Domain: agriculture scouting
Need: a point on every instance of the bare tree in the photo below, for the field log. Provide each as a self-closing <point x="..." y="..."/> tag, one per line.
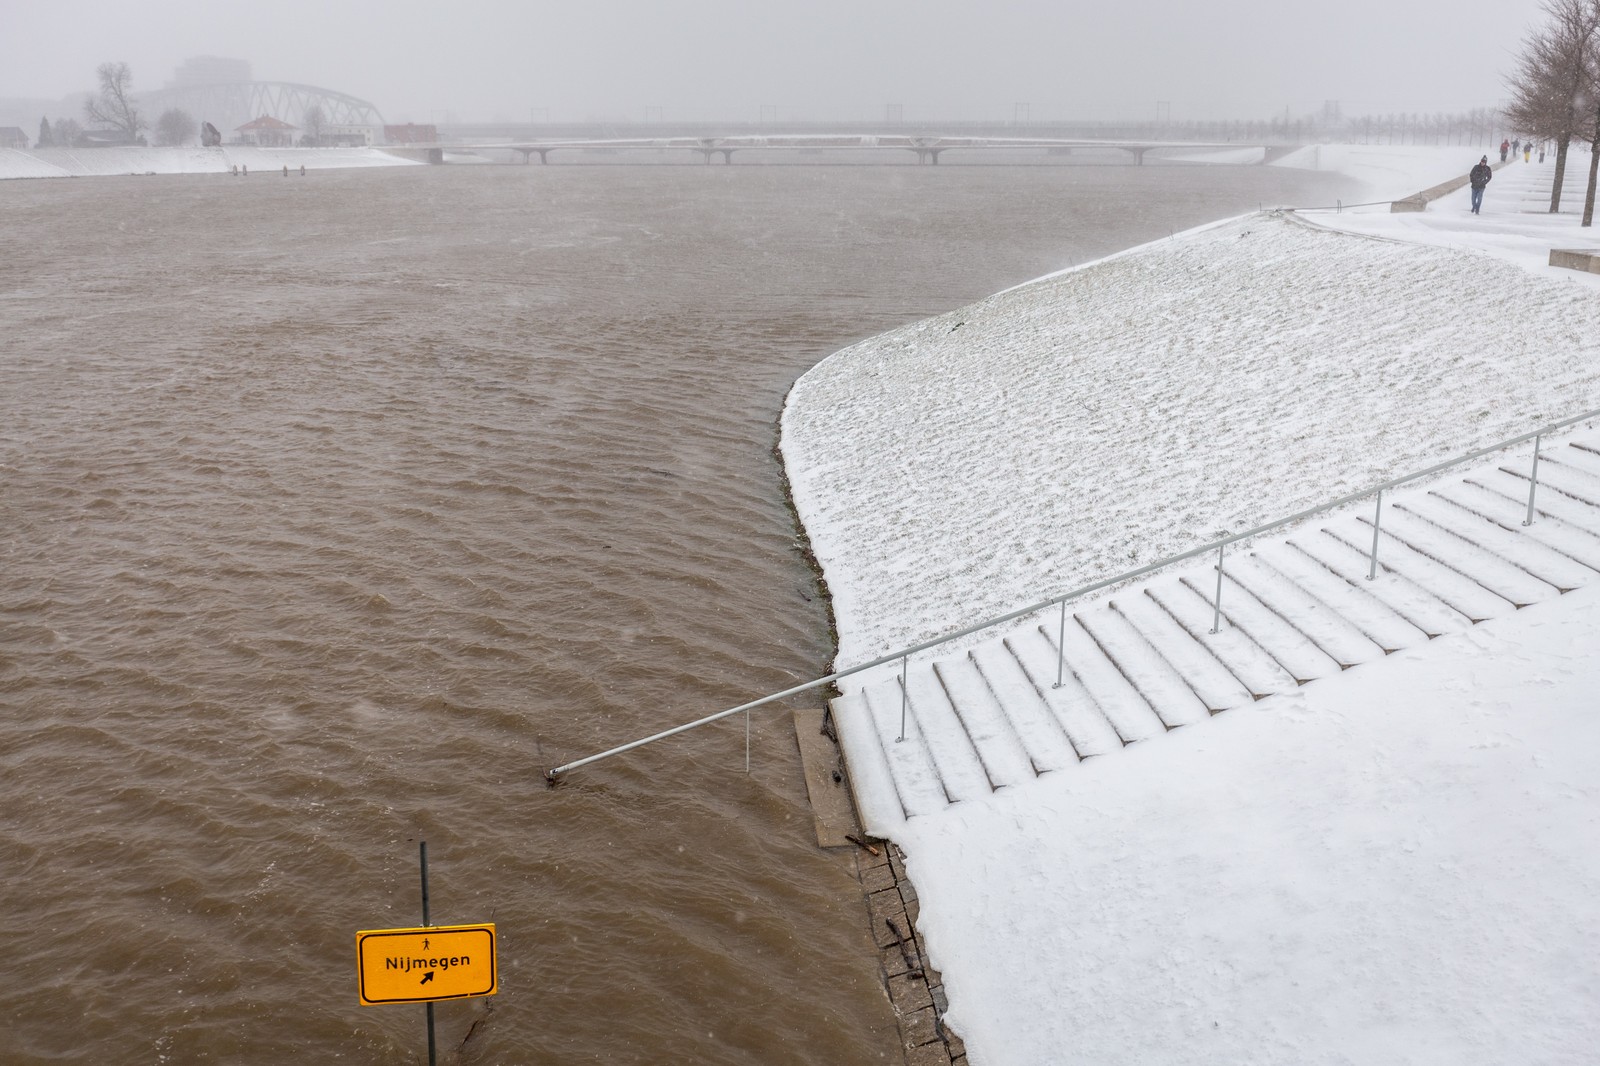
<point x="315" y="123"/>
<point x="175" y="127"/>
<point x="114" y="106"/>
<point x="1551" y="87"/>
<point x="1591" y="103"/>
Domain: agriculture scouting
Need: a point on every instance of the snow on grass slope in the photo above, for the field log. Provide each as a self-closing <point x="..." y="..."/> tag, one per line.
<point x="1096" y="420"/>
<point x="1395" y="865"/>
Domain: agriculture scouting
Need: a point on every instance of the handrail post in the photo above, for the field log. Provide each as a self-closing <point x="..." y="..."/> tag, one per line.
<point x="905" y="696"/>
<point x="1533" y="479"/>
<point x="747" y="742"/>
<point x="1377" y="518"/>
<point x="1061" y="645"/>
<point x="1216" y="603"/>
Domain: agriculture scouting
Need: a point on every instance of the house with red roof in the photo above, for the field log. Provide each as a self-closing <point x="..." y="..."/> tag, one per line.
<point x="267" y="132"/>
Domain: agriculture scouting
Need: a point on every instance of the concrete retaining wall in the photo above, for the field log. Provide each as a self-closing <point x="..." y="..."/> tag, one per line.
<point x="1576" y="259"/>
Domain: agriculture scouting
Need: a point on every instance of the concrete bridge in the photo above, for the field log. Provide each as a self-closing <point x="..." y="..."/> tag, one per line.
<point x="927" y="147"/>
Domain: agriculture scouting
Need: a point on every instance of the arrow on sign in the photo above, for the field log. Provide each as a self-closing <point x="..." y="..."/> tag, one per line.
<point x="426" y="978"/>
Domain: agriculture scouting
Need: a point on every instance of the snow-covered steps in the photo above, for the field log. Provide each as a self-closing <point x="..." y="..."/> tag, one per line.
<point x="1043" y="696"/>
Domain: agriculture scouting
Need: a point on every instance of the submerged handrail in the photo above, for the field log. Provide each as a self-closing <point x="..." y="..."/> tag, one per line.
<point x="904" y="654"/>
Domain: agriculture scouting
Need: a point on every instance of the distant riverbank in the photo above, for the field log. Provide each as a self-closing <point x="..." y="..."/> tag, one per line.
<point x="102" y="162"/>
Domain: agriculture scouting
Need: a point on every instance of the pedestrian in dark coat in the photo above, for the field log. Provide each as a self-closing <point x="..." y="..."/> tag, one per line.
<point x="1480" y="177"/>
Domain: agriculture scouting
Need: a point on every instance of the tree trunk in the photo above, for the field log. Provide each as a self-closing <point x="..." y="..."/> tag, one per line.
<point x="1594" y="171"/>
<point x="1561" y="171"/>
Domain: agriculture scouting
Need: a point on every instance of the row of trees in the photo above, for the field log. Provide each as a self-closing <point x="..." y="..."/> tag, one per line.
<point x="174" y="127"/>
<point x="1555" y="89"/>
<point x="112" y="111"/>
<point x="1483" y="126"/>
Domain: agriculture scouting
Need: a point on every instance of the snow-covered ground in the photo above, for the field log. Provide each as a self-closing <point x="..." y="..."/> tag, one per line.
<point x="1394" y="865"/>
<point x="98" y="162"/>
<point x="1123" y="411"/>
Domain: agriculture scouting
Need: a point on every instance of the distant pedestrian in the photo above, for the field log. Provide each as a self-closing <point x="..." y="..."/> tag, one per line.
<point x="1527" y="152"/>
<point x="303" y="170"/>
<point x="1480" y="177"/>
<point x="1516" y="146"/>
<point x="1505" y="146"/>
<point x="1541" y="151"/>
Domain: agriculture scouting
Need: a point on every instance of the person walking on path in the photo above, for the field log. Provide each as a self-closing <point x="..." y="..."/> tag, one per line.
<point x="1505" y="147"/>
<point x="1480" y="177"/>
<point x="1527" y="152"/>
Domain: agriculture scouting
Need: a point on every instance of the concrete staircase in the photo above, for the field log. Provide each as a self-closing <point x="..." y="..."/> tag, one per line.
<point x="1296" y="607"/>
<point x="1527" y="185"/>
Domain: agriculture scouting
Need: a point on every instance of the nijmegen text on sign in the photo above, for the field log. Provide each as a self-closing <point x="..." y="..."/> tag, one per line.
<point x="423" y="964"/>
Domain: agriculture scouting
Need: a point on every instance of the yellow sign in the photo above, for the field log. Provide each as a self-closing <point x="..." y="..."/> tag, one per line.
<point x="418" y="965"/>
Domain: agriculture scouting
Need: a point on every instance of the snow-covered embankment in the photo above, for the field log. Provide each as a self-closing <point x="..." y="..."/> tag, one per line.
<point x="101" y="162"/>
<point x="1390" y="865"/>
<point x="1090" y="422"/>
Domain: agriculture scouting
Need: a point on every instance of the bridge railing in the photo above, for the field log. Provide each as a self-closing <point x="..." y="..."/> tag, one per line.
<point x="903" y="655"/>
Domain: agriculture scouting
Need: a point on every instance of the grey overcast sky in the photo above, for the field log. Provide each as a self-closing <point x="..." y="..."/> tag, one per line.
<point x="438" y="60"/>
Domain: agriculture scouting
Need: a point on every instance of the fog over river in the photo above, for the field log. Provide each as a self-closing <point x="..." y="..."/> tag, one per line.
<point x="335" y="509"/>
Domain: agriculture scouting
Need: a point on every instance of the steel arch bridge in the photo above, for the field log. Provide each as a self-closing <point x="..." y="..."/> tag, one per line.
<point x="230" y="105"/>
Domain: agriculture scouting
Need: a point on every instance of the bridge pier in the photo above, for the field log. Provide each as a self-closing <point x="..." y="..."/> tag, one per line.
<point x="1138" y="154"/>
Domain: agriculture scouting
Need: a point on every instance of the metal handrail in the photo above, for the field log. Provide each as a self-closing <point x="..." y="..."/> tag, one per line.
<point x="904" y="654"/>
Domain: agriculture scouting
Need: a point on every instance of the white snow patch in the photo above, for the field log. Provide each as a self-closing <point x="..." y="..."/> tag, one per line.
<point x="1397" y="866"/>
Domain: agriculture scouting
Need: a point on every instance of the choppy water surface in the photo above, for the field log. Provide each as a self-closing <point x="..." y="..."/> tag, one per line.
<point x="334" y="509"/>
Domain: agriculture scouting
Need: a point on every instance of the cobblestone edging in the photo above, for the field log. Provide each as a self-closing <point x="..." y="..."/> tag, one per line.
<point x="915" y="989"/>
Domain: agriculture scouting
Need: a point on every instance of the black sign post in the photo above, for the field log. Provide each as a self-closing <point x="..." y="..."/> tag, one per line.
<point x="423" y="846"/>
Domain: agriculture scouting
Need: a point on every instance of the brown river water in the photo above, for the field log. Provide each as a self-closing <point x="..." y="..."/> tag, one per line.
<point x="335" y="509"/>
